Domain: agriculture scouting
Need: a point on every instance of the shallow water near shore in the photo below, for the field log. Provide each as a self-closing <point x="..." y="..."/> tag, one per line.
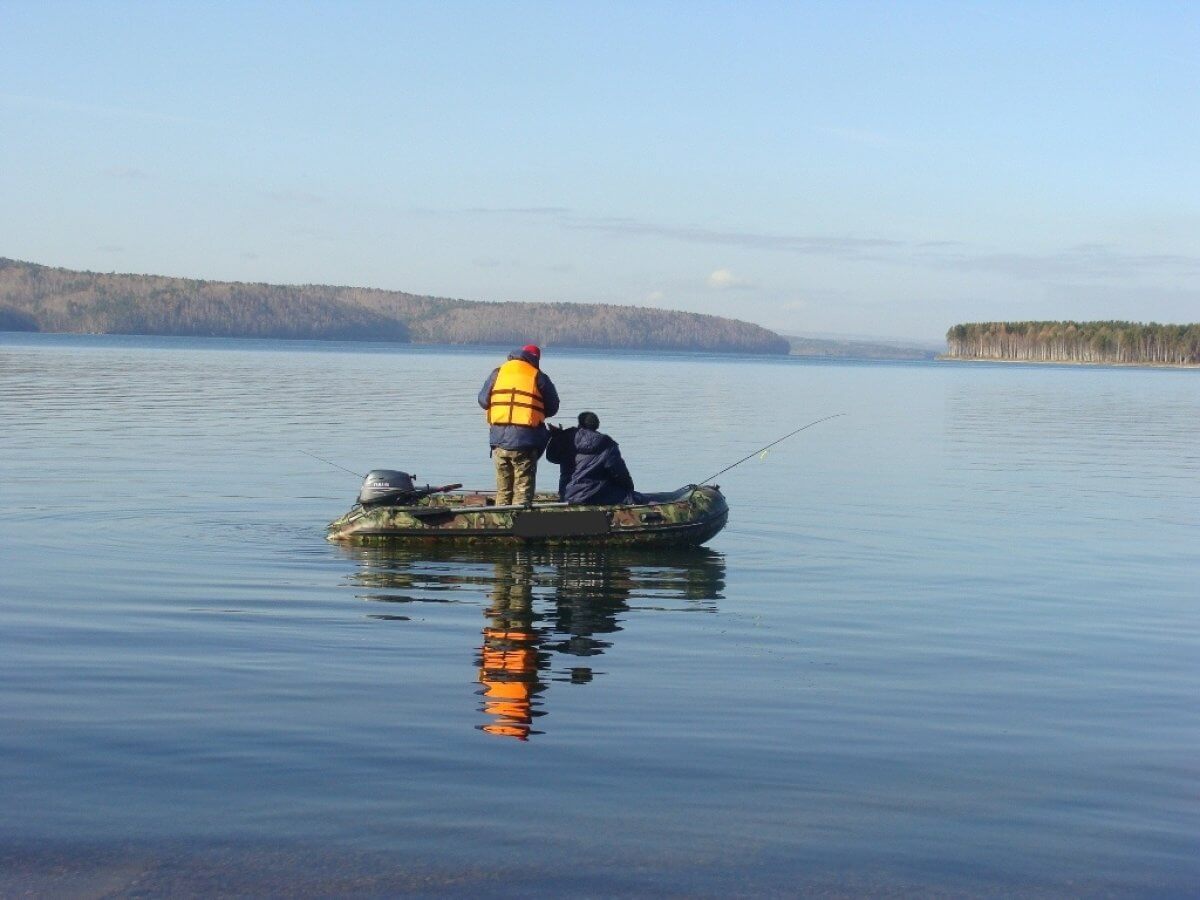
<point x="947" y="643"/>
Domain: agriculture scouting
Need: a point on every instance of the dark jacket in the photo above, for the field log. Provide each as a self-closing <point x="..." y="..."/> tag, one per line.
<point x="522" y="437"/>
<point x="592" y="468"/>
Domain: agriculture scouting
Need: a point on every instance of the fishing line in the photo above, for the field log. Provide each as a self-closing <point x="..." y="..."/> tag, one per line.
<point x="328" y="463"/>
<point x="769" y="446"/>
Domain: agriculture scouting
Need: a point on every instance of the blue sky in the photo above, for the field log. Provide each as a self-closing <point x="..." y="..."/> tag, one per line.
<point x="882" y="169"/>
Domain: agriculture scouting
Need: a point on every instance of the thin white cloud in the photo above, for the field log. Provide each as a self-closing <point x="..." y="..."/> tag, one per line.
<point x="725" y="280"/>
<point x="127" y="172"/>
<point x="1080" y="261"/>
<point x="863" y="136"/>
<point x="295" y="198"/>
<point x="519" y="210"/>
<point x="51" y="104"/>
<point x="818" y="245"/>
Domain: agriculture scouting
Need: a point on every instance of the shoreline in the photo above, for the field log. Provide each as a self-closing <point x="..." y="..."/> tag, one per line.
<point x="942" y="357"/>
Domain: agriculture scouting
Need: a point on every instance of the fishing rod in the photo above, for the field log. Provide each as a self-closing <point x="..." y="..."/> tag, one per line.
<point x="769" y="446"/>
<point x="328" y="463"/>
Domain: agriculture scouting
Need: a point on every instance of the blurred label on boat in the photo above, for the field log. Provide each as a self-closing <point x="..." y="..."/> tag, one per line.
<point x="537" y="524"/>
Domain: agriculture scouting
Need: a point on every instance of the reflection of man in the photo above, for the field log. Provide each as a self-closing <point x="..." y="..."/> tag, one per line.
<point x="518" y="397"/>
<point x="591" y="595"/>
<point x="508" y="663"/>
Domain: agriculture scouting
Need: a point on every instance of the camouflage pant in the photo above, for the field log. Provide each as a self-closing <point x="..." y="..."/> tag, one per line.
<point x="515" y="473"/>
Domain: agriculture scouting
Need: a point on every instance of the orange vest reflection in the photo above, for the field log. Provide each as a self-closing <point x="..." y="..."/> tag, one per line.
<point x="584" y="599"/>
<point x="508" y="659"/>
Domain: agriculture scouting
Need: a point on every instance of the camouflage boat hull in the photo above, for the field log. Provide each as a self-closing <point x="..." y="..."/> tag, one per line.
<point x="684" y="518"/>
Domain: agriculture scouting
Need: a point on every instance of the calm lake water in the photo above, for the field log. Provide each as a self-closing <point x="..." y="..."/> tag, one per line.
<point x="949" y="644"/>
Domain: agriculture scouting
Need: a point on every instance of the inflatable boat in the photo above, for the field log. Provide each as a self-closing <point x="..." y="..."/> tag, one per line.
<point x="391" y="509"/>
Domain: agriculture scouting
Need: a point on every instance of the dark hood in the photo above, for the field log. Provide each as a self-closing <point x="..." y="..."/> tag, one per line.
<point x="591" y="442"/>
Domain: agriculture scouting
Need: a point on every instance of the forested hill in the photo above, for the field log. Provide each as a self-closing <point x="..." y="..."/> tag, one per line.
<point x="40" y="298"/>
<point x="1129" y="343"/>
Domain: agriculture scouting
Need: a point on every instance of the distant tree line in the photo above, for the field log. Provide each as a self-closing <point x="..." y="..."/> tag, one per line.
<point x="828" y="348"/>
<point x="1077" y="342"/>
<point x="47" y="299"/>
<point x="40" y="298"/>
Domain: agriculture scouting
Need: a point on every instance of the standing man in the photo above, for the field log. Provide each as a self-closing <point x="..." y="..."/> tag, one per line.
<point x="518" y="397"/>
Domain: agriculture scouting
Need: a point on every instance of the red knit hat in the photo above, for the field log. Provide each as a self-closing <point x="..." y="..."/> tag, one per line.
<point x="532" y="349"/>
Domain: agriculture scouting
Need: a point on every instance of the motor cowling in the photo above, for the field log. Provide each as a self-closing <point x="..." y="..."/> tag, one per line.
<point x="387" y="486"/>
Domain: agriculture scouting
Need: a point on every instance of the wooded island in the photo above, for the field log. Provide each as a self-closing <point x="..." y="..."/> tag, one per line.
<point x="41" y="298"/>
<point x="1112" y="343"/>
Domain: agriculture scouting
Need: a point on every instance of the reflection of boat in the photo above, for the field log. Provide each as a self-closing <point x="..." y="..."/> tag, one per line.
<point x="549" y="612"/>
<point x="684" y="518"/>
<point x="598" y="577"/>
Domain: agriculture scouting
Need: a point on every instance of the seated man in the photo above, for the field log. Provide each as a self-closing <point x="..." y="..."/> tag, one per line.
<point x="592" y="469"/>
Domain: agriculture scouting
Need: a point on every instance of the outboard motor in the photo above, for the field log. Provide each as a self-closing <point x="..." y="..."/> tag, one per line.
<point x="387" y="486"/>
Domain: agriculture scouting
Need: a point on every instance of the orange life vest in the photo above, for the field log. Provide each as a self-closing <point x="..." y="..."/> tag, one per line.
<point x="515" y="399"/>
